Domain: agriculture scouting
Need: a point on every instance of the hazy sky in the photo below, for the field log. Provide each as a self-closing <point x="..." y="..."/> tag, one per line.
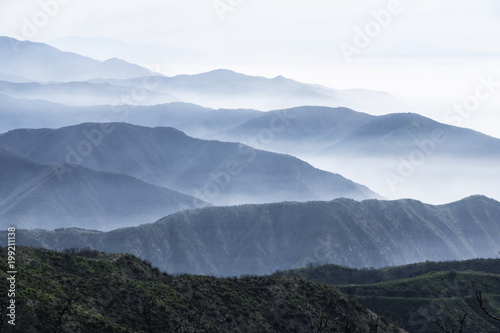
<point x="431" y="53"/>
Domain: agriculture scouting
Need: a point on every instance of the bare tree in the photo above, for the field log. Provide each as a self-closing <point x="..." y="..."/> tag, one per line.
<point x="347" y="323"/>
<point x="373" y="324"/>
<point x="332" y="316"/>
<point x="58" y="326"/>
<point x="146" y="311"/>
<point x="327" y="319"/>
<point x="480" y="300"/>
<point x="446" y="329"/>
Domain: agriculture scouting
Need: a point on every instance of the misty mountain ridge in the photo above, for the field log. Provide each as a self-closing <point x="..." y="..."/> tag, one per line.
<point x="260" y="239"/>
<point x="43" y="63"/>
<point x="82" y="93"/>
<point x="404" y="150"/>
<point x="217" y="89"/>
<point x="307" y="128"/>
<point x="214" y="171"/>
<point x="39" y="196"/>
<point x="223" y="88"/>
<point x="392" y="134"/>
<point x="323" y="131"/>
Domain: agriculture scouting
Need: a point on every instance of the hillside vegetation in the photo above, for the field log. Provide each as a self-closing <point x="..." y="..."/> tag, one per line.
<point x="88" y="291"/>
<point x="419" y="297"/>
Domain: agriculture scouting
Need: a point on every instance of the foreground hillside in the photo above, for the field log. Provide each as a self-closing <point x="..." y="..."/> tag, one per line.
<point x="420" y="296"/>
<point x="260" y="239"/>
<point x="87" y="291"/>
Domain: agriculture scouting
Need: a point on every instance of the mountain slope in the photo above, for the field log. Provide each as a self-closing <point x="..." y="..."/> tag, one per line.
<point x="420" y="296"/>
<point x="216" y="172"/>
<point x="339" y="132"/>
<point x="298" y="130"/>
<point x="19" y="113"/>
<point x="223" y="88"/>
<point x="400" y="133"/>
<point x="82" y="93"/>
<point x="217" y="89"/>
<point x="37" y="196"/>
<point x="40" y="62"/>
<point x="404" y="151"/>
<point x="339" y="275"/>
<point x="85" y="291"/>
<point x="260" y="239"/>
<point x="421" y="303"/>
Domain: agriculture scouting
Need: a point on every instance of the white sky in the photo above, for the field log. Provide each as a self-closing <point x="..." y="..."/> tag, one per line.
<point x="431" y="54"/>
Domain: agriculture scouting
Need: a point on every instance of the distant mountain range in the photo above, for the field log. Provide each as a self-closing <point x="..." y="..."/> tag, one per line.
<point x="307" y="129"/>
<point x="341" y="132"/>
<point x="227" y="89"/>
<point x="404" y="152"/>
<point x="25" y="62"/>
<point x="39" y="62"/>
<point x="81" y="93"/>
<point x="38" y="196"/>
<point x="260" y="239"/>
<point x="396" y="155"/>
<point x="216" y="172"/>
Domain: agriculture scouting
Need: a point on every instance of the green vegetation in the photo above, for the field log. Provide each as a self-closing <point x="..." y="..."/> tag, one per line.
<point x="88" y="291"/>
<point x="420" y="297"/>
<point x="335" y="274"/>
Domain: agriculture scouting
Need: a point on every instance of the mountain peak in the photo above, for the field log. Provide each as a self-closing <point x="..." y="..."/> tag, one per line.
<point x="477" y="198"/>
<point x="44" y="63"/>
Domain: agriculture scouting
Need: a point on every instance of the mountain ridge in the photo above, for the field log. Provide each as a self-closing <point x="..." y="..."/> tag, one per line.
<point x="35" y="196"/>
<point x="44" y="63"/>
<point x="242" y="239"/>
<point x="214" y="171"/>
<point x="422" y="295"/>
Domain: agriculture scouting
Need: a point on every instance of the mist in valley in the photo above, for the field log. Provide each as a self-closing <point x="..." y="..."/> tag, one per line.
<point x="434" y="181"/>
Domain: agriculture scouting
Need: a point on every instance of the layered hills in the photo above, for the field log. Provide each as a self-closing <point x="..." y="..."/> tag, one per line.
<point x="260" y="239"/>
<point x="40" y="196"/>
<point x="24" y="62"/>
<point x="213" y="171"/>
<point x="397" y="155"/>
